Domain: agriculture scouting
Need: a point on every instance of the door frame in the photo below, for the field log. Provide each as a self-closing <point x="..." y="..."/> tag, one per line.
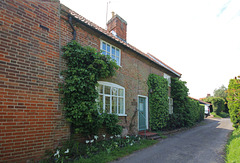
<point x="146" y="110"/>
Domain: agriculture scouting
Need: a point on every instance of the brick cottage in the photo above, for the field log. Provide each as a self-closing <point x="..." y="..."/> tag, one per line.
<point x="32" y="35"/>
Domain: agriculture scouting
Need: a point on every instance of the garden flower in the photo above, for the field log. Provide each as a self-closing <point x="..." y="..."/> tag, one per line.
<point x="96" y="137"/>
<point x="67" y="151"/>
<point x="57" y="154"/>
<point x="111" y="137"/>
<point x="104" y="136"/>
<point x="127" y="136"/>
<point x="91" y="141"/>
<point x="87" y="141"/>
<point x="131" y="144"/>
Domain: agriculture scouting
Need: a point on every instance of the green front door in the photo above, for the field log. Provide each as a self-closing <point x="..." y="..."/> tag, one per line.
<point x="142" y="113"/>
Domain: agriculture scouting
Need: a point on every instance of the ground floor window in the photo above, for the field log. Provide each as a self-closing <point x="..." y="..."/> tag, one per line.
<point x="111" y="98"/>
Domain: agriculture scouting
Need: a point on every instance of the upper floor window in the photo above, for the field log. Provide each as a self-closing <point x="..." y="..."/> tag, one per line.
<point x="112" y="51"/>
<point x="111" y="98"/>
<point x="168" y="79"/>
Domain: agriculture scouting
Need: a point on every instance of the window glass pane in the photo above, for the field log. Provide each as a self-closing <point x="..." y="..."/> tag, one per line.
<point x="120" y="92"/>
<point x="100" y="104"/>
<point x="107" y="90"/>
<point x="103" y="46"/>
<point x="117" y="53"/>
<point x="108" y="53"/>
<point x="107" y="104"/>
<point x="103" y="52"/>
<point x="108" y="48"/>
<point x="113" y="57"/>
<point x="114" y="91"/>
<point x="120" y="106"/>
<point x="114" y="104"/>
<point x="113" y="51"/>
<point x="100" y="89"/>
<point x="117" y="61"/>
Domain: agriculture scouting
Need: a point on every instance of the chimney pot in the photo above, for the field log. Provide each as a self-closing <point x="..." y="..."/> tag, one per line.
<point x="113" y="14"/>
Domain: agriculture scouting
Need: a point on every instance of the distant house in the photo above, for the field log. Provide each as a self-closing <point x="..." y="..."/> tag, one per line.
<point x="207" y="106"/>
<point x="32" y="35"/>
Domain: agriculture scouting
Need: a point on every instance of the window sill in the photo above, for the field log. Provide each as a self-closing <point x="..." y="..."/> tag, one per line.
<point x="122" y="115"/>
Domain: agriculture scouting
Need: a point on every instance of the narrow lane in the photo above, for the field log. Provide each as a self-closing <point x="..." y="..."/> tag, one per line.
<point x="202" y="144"/>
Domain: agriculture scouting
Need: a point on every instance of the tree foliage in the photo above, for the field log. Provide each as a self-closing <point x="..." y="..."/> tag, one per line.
<point x="186" y="111"/>
<point x="218" y="103"/>
<point x="158" y="101"/>
<point x="85" y="66"/>
<point x="234" y="101"/>
<point x="220" y="92"/>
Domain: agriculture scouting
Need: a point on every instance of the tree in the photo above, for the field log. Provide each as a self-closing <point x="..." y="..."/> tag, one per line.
<point x="220" y="92"/>
<point x="234" y="101"/>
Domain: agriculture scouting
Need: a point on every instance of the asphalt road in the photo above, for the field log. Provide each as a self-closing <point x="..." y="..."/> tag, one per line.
<point x="202" y="144"/>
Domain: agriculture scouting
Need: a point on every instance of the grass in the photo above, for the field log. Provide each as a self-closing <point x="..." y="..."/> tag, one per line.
<point x="104" y="157"/>
<point x="233" y="147"/>
<point x="220" y="115"/>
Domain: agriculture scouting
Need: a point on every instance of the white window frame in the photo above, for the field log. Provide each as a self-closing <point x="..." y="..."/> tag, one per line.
<point x="168" y="77"/>
<point x="112" y="85"/>
<point x="170" y="102"/>
<point x="111" y="53"/>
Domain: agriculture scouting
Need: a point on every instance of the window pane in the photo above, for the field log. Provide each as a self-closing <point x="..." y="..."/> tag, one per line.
<point x="108" y="54"/>
<point x="103" y="46"/>
<point x="120" y="106"/>
<point x="107" y="90"/>
<point x="114" y="91"/>
<point x="117" y="53"/>
<point x="107" y="104"/>
<point x="108" y="48"/>
<point x="117" y="60"/>
<point x="113" y="51"/>
<point x="100" y="89"/>
<point x="113" y="57"/>
<point x="114" y="105"/>
<point x="103" y="52"/>
<point x="100" y="104"/>
<point x="120" y="92"/>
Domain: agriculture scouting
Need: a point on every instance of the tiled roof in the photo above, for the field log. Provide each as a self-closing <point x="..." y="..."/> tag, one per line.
<point x="148" y="56"/>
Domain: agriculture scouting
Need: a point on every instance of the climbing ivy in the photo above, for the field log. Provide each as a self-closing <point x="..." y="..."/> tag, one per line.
<point x="158" y="101"/>
<point x="85" y="66"/>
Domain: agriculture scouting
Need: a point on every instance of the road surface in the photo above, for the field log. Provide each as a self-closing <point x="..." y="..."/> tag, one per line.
<point x="202" y="144"/>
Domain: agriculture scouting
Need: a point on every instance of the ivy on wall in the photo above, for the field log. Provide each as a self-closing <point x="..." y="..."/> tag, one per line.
<point x="85" y="66"/>
<point x="158" y="101"/>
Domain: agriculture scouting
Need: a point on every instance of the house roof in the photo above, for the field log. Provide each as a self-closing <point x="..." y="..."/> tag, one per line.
<point x="105" y="32"/>
<point x="202" y="102"/>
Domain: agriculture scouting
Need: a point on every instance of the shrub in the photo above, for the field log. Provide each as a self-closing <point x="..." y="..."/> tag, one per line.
<point x="85" y="66"/>
<point x="158" y="101"/>
<point x="234" y="101"/>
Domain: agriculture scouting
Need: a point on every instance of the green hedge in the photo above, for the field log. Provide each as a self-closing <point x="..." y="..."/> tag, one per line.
<point x="186" y="111"/>
<point x="158" y="101"/>
<point x="234" y="101"/>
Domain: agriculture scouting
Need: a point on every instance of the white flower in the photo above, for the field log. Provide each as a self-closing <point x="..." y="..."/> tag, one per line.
<point x="111" y="137"/>
<point x="67" y="151"/>
<point x="131" y="144"/>
<point x="91" y="141"/>
<point x="104" y="136"/>
<point x="96" y="137"/>
<point x="57" y="154"/>
<point x="127" y="136"/>
<point x="87" y="141"/>
<point x="118" y="136"/>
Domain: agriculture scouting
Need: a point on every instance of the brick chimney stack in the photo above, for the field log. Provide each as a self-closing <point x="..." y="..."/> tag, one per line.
<point x="117" y="26"/>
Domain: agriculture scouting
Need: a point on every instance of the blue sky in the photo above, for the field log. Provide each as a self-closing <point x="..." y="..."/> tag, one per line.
<point x="198" y="38"/>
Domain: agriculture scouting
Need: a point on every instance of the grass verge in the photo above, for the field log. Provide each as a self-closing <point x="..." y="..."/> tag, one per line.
<point x="104" y="157"/>
<point x="233" y="147"/>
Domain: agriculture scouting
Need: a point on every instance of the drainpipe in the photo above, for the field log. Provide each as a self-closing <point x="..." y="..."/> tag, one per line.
<point x="70" y="22"/>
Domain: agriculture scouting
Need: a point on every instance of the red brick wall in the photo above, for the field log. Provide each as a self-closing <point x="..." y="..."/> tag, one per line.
<point x="31" y="120"/>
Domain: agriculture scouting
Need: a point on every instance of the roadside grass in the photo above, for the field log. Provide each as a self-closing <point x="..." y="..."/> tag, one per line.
<point x="220" y="115"/>
<point x="233" y="147"/>
<point x="104" y="156"/>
